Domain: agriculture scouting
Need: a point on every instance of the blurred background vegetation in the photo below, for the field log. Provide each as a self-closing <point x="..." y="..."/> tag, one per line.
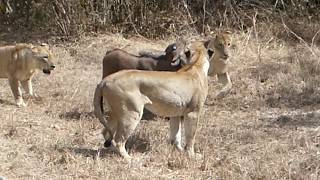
<point x="159" y="18"/>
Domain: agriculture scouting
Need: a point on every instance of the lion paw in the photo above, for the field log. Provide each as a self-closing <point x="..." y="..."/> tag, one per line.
<point x="20" y="103"/>
<point x="193" y="155"/>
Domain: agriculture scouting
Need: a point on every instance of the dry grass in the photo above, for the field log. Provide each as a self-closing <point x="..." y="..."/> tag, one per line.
<point x="266" y="128"/>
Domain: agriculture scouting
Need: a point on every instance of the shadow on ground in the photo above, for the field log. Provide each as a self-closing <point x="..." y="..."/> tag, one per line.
<point x="103" y="152"/>
<point x="76" y="114"/>
<point x="308" y="119"/>
<point x="6" y="102"/>
<point x="134" y="144"/>
<point x="138" y="144"/>
<point x="291" y="98"/>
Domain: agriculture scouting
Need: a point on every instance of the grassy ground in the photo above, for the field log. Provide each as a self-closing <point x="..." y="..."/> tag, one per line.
<point x="266" y="128"/>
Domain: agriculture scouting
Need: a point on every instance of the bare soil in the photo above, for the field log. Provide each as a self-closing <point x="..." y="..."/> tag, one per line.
<point x="266" y="128"/>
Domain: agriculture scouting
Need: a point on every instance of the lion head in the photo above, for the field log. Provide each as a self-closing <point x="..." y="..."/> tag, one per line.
<point x="43" y="58"/>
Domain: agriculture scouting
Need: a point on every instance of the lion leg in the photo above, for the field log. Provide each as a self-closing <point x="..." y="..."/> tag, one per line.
<point x="27" y="86"/>
<point x="226" y="81"/>
<point x="15" y="88"/>
<point x="191" y="124"/>
<point x="175" y="132"/>
<point x="126" y="125"/>
<point x="108" y="138"/>
<point x="112" y="126"/>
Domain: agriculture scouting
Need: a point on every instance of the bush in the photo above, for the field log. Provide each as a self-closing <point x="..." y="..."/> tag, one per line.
<point x="150" y="18"/>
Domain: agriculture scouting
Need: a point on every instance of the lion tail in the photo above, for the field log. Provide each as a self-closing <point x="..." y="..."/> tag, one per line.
<point x="98" y="105"/>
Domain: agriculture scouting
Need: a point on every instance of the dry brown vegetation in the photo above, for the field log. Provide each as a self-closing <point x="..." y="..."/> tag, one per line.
<point x="266" y="128"/>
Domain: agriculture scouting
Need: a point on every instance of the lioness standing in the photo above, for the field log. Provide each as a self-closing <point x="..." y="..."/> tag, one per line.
<point x="129" y="91"/>
<point x="220" y="46"/>
<point x="19" y="63"/>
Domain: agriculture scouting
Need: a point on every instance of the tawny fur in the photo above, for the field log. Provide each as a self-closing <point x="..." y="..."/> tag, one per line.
<point x="129" y="91"/>
<point x="171" y="60"/>
<point x="220" y="63"/>
<point x="19" y="63"/>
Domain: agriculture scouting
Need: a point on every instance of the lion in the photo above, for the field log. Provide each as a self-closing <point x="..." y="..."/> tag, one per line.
<point x="129" y="91"/>
<point x="20" y="62"/>
<point x="220" y="46"/>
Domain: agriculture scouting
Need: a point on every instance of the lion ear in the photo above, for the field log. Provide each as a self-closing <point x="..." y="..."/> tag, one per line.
<point x="34" y="50"/>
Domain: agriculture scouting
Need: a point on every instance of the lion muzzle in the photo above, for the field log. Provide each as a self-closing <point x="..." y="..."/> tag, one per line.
<point x="48" y="71"/>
